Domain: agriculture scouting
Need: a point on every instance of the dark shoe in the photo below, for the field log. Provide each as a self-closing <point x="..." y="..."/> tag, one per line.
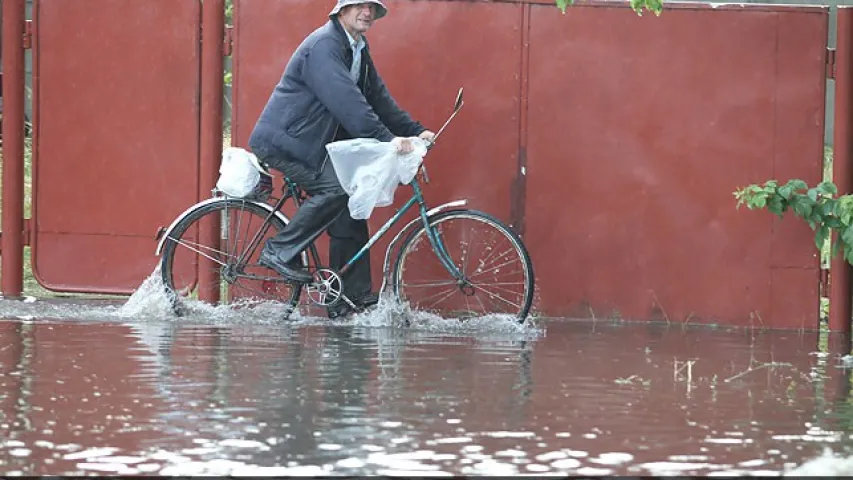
<point x="368" y="300"/>
<point x="295" y="275"/>
<point x="342" y="309"/>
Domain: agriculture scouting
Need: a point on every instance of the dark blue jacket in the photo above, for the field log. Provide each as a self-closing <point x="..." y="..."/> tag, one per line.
<point x="316" y="101"/>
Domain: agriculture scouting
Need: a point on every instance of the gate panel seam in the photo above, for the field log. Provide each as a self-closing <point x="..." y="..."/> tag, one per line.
<point x="519" y="188"/>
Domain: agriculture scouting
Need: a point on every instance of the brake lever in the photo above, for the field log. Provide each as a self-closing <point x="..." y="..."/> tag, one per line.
<point x="424" y="172"/>
<point x="429" y="145"/>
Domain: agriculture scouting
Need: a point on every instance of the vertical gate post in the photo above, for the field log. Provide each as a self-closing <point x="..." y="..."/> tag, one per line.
<point x="842" y="170"/>
<point x="212" y="90"/>
<point x="12" y="261"/>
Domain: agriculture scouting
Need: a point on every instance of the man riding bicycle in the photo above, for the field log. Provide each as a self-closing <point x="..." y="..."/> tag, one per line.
<point x="329" y="91"/>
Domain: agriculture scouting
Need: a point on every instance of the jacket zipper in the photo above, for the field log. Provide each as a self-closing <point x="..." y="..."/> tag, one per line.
<point x="365" y="79"/>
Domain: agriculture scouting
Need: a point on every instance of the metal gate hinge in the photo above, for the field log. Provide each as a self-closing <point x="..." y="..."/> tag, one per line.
<point x="229" y="40"/>
<point x="28" y="34"/>
<point x="27" y="233"/>
<point x="830" y="63"/>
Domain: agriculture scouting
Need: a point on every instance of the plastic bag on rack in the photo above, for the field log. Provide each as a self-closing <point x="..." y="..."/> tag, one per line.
<point x="370" y="171"/>
<point x="241" y="175"/>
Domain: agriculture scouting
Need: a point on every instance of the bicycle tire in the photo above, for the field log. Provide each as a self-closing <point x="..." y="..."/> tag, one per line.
<point x="515" y="240"/>
<point x="167" y="262"/>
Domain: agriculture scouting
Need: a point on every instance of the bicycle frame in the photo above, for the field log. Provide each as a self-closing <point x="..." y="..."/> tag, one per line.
<point x="291" y="190"/>
<point x="432" y="233"/>
<point x="434" y="237"/>
<point x="417" y="197"/>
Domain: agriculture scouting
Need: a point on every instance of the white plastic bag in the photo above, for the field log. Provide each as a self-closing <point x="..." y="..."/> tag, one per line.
<point x="239" y="172"/>
<point x="370" y="171"/>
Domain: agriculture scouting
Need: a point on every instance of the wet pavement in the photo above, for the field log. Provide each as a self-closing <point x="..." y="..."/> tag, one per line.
<point x="128" y="389"/>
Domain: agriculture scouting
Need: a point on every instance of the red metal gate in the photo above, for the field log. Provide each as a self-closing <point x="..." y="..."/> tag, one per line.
<point x="116" y="141"/>
<point x="638" y="135"/>
<point x="612" y="142"/>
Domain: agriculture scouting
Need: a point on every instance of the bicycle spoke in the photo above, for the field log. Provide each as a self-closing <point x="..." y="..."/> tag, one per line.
<point x="480" y="271"/>
<point x="434" y="284"/>
<point x="441" y="292"/>
<point x="232" y="276"/>
<point x="486" y="252"/>
<point x="481" y="286"/>
<point x="492" y="296"/>
<point x="257" y="291"/>
<point x="451" y="292"/>
<point x="487" y="259"/>
<point x="198" y="250"/>
<point x="481" y="303"/>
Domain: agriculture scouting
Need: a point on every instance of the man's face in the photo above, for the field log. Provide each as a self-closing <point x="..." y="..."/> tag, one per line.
<point x="358" y="18"/>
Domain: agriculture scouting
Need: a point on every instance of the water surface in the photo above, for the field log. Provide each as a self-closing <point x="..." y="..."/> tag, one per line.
<point x="129" y="389"/>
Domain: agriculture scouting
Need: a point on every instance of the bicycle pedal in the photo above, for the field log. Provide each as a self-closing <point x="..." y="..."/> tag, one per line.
<point x="350" y="303"/>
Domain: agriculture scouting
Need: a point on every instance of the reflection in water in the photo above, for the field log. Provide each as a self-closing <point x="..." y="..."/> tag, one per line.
<point x="160" y="396"/>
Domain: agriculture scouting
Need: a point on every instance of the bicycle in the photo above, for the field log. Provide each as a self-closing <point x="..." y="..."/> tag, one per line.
<point x="220" y="220"/>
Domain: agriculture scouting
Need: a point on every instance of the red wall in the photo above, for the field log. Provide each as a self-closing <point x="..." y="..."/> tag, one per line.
<point x="633" y="133"/>
<point x="612" y="142"/>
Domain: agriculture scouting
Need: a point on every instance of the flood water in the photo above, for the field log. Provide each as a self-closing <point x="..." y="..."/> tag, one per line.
<point x="128" y="389"/>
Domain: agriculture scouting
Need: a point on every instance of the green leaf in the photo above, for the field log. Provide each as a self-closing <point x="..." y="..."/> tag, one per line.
<point x="798" y="184"/>
<point x="776" y="205"/>
<point x="820" y="237"/>
<point x="786" y="191"/>
<point x="828" y="188"/>
<point x="802" y="209"/>
<point x="847" y="235"/>
<point x="844" y="210"/>
<point x="562" y="4"/>
<point x="813" y="194"/>
<point x="832" y="223"/>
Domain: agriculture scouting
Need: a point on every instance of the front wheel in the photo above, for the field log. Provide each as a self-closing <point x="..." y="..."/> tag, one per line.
<point x="496" y="268"/>
<point x="212" y="255"/>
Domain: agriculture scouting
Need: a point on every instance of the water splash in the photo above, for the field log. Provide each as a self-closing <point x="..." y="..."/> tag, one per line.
<point x="150" y="303"/>
<point x="828" y="464"/>
<point x="393" y="314"/>
<point x="149" y="300"/>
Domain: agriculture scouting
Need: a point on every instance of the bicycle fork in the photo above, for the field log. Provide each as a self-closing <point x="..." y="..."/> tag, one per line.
<point x="440" y="251"/>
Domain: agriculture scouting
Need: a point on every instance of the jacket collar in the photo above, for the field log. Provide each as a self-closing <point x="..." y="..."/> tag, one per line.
<point x="343" y="37"/>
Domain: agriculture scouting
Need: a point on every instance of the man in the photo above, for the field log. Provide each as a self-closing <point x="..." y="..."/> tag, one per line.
<point x="330" y="90"/>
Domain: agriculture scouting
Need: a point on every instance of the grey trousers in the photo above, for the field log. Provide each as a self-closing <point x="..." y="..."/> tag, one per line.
<point x="325" y="210"/>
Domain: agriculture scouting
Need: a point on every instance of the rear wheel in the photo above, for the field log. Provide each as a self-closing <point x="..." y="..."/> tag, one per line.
<point x="497" y="271"/>
<point x="222" y="267"/>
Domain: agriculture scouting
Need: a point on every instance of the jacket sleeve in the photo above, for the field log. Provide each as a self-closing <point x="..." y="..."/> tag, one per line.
<point x="325" y="74"/>
<point x="397" y="120"/>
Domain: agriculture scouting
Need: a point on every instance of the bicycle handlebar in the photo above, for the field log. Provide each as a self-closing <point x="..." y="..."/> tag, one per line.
<point x="431" y="143"/>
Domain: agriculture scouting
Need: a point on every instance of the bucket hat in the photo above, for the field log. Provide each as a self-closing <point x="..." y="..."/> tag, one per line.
<point x="381" y="9"/>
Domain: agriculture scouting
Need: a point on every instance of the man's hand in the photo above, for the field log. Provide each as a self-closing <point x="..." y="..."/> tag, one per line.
<point x="427" y="135"/>
<point x="403" y="144"/>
